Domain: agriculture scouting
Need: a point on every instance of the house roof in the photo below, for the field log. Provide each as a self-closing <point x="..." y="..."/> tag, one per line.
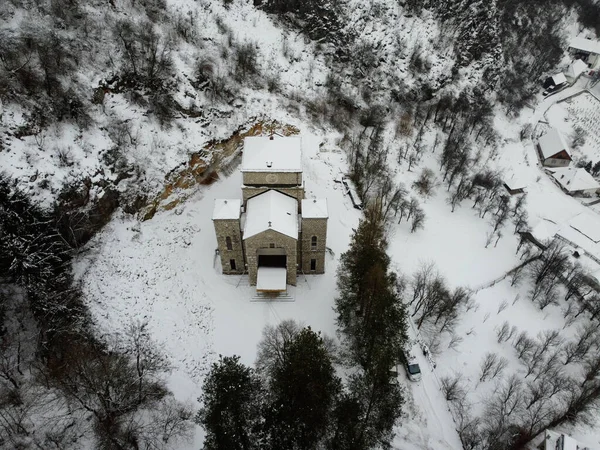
<point x="587" y="45"/>
<point x="587" y="224"/>
<point x="226" y="209"/>
<point x="576" y="68"/>
<point x="314" y="208"/>
<point x="559" y="79"/>
<point x="272" y="154"/>
<point x="574" y="179"/>
<point x="553" y="143"/>
<point x="271" y="210"/>
<point x="544" y="230"/>
<point x="514" y="182"/>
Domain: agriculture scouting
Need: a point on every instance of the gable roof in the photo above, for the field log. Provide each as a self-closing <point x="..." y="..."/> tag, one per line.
<point x="226" y="209"/>
<point x="559" y="79"/>
<point x="574" y="179"/>
<point x="553" y="143"/>
<point x="272" y="154"/>
<point x="588" y="225"/>
<point x="586" y="45"/>
<point x="315" y="208"/>
<point x="271" y="210"/>
<point x="576" y="68"/>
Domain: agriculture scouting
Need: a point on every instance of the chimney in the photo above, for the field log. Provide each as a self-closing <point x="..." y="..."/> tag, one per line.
<point x="269" y="224"/>
<point x="269" y="164"/>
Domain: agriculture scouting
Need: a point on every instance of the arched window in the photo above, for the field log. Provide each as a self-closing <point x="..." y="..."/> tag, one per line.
<point x="228" y="243"/>
<point x="313" y="243"/>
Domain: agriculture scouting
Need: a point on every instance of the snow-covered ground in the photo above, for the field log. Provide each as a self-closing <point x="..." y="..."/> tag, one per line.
<point x="164" y="271"/>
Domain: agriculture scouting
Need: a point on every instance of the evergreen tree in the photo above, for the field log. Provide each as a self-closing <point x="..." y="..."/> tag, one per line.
<point x="371" y="315"/>
<point x="303" y="390"/>
<point x="364" y="417"/>
<point x="232" y="398"/>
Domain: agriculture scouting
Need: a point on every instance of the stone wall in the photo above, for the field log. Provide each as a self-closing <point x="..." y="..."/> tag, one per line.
<point x="250" y="191"/>
<point x="310" y="228"/>
<point x="230" y="228"/>
<point x="272" y="178"/>
<point x="263" y="240"/>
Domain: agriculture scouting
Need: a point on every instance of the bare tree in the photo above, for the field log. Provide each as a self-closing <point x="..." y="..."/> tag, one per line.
<point x="453" y="387"/>
<point x="418" y="220"/>
<point x="503" y="331"/>
<point x="455" y="341"/>
<point x="274" y="339"/>
<point x="523" y="344"/>
<point x="487" y="365"/>
<point x="585" y="339"/>
<point x="498" y="369"/>
<point x="421" y="279"/>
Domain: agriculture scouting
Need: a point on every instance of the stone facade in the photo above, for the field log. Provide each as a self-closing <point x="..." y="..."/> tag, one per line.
<point x="231" y="245"/>
<point x="272" y="178"/>
<point x="313" y="245"/>
<point x="263" y="241"/>
<point x="304" y="252"/>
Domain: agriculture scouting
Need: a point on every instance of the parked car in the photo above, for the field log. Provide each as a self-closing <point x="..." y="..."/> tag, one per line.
<point x="413" y="371"/>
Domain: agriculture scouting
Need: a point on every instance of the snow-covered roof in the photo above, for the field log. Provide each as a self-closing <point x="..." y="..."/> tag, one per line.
<point x="574" y="179"/>
<point x="587" y="45"/>
<point x="514" y="182"/>
<point x="576" y="68"/>
<point x="587" y="224"/>
<point x="272" y="154"/>
<point x="552" y="143"/>
<point x="271" y="279"/>
<point x="226" y="209"/>
<point x="314" y="208"/>
<point x="271" y="210"/>
<point x="559" y="79"/>
<point x="544" y="230"/>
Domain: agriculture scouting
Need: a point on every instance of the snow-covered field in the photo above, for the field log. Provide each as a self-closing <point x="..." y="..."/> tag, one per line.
<point x="164" y="271"/>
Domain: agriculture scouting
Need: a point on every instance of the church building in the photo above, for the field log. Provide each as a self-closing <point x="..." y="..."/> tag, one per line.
<point x="272" y="233"/>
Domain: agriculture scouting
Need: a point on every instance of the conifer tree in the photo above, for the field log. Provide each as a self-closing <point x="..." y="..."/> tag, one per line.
<point x="232" y="412"/>
<point x="303" y="389"/>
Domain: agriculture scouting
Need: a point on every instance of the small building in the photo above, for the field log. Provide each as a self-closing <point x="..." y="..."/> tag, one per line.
<point x="514" y="185"/>
<point x="575" y="181"/>
<point x="576" y="68"/>
<point x="273" y="233"/>
<point x="554" y="440"/>
<point x="553" y="150"/>
<point x="556" y="81"/>
<point x="587" y="50"/>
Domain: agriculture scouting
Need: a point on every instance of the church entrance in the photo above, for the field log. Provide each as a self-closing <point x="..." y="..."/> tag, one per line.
<point x="272" y="257"/>
<point x="271" y="273"/>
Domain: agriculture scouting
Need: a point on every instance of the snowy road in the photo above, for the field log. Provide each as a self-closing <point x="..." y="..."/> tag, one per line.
<point x="432" y="426"/>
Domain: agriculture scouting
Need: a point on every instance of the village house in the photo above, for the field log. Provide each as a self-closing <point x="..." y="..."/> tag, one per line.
<point x="553" y="150"/>
<point x="272" y="233"/>
<point x="514" y="185"/>
<point x="575" y="181"/>
<point x="587" y="50"/>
